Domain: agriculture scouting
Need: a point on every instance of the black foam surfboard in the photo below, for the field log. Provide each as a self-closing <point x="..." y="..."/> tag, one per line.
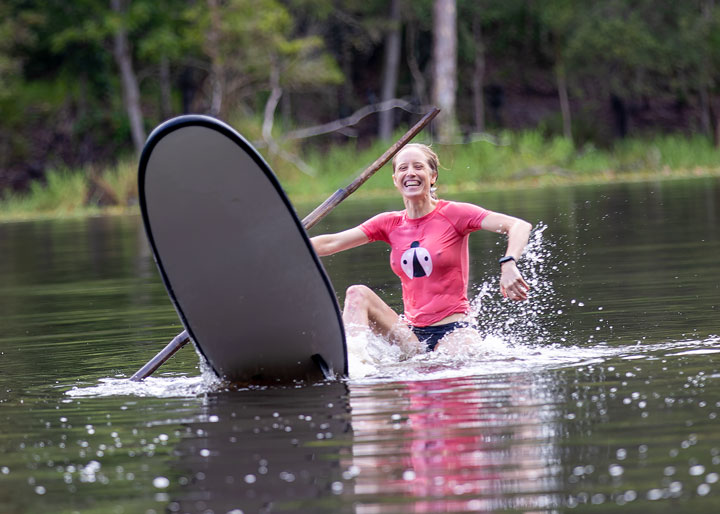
<point x="234" y="257"/>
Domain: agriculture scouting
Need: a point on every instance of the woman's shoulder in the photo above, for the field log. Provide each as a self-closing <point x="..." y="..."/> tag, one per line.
<point x="385" y="218"/>
<point x="389" y="215"/>
<point x="451" y="206"/>
<point x="379" y="226"/>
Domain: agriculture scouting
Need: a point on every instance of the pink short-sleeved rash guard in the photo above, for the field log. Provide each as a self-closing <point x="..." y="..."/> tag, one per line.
<point x="430" y="255"/>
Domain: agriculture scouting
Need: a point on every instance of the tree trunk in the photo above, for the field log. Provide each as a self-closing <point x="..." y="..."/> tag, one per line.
<point x="705" y="109"/>
<point x="130" y="89"/>
<point x="478" y="84"/>
<point x="272" y="103"/>
<point x="165" y="88"/>
<point x="346" y="96"/>
<point x="216" y="67"/>
<point x="390" y="70"/>
<point x="714" y="115"/>
<point x="445" y="67"/>
<point x="561" y="78"/>
<point x="419" y="83"/>
<point x="708" y="115"/>
<point x="620" y="114"/>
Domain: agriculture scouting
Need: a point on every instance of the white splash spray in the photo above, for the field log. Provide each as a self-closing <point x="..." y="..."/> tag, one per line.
<point x="509" y="336"/>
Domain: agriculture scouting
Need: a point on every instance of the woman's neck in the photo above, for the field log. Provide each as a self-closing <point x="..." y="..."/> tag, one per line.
<point x="417" y="208"/>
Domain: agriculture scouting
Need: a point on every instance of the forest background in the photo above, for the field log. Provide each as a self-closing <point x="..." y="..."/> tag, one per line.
<point x="531" y="91"/>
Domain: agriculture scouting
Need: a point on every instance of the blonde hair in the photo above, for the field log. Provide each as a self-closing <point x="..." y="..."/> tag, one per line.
<point x="432" y="160"/>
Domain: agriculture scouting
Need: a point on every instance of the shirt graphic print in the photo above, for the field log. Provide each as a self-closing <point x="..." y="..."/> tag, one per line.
<point x="416" y="261"/>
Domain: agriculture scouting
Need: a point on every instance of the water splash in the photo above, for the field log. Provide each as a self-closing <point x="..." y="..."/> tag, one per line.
<point x="527" y="322"/>
<point x="159" y="387"/>
<point x="510" y="337"/>
<point x="172" y="386"/>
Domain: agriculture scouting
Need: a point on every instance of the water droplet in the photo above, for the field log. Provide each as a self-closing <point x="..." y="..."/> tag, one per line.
<point x="703" y="489"/>
<point x="654" y="494"/>
<point x="697" y="470"/>
<point x="630" y="495"/>
<point x="161" y="482"/>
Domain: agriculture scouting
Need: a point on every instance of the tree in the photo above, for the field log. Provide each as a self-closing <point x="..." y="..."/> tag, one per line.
<point x="390" y="69"/>
<point x="559" y="18"/>
<point x="252" y="48"/>
<point x="488" y="29"/>
<point x="123" y="58"/>
<point x="445" y="67"/>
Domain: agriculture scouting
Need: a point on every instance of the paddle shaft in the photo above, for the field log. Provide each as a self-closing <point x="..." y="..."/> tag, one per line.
<point x="173" y="346"/>
<point x="308" y="222"/>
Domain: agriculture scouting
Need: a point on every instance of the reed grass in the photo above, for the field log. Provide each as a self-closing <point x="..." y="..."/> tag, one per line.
<point x="523" y="159"/>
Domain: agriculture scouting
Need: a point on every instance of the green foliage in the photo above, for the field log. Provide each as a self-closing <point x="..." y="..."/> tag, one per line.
<point x="512" y="160"/>
<point x="61" y="96"/>
<point x="63" y="194"/>
<point x="523" y="158"/>
<point x="122" y="180"/>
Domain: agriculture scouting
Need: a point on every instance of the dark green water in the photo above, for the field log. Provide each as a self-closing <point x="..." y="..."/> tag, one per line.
<point x="601" y="394"/>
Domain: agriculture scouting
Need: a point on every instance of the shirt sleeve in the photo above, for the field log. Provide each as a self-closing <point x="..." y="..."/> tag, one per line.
<point x="467" y="217"/>
<point x="376" y="228"/>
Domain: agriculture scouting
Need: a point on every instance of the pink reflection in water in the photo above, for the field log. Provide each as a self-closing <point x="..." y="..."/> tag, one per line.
<point x="458" y="444"/>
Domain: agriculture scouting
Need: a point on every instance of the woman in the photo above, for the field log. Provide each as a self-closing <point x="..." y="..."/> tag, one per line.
<point x="429" y="252"/>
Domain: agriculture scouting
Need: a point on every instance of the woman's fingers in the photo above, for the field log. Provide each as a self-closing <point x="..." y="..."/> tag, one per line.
<point x="517" y="291"/>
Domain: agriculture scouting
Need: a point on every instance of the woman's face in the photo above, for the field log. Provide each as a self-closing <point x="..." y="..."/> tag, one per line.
<point x="413" y="176"/>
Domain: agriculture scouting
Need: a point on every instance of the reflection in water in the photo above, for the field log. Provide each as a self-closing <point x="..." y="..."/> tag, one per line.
<point x="266" y="450"/>
<point x="457" y="444"/>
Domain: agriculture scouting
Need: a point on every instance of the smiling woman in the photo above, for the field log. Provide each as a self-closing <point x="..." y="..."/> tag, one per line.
<point x="429" y="253"/>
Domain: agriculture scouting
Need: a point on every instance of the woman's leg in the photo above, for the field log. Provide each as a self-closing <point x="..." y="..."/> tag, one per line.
<point x="365" y="309"/>
<point x="459" y="339"/>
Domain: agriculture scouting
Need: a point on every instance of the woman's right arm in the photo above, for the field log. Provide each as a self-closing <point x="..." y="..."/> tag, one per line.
<point x="328" y="244"/>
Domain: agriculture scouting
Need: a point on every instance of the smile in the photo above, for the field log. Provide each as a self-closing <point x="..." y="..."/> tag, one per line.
<point x="410" y="183"/>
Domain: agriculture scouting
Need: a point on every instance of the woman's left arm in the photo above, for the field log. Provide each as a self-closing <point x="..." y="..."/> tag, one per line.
<point x="512" y="284"/>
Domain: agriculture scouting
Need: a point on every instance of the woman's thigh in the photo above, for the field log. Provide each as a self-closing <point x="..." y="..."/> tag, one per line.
<point x="459" y="339"/>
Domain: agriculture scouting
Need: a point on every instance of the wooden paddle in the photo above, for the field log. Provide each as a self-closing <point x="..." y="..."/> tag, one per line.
<point x="308" y="222"/>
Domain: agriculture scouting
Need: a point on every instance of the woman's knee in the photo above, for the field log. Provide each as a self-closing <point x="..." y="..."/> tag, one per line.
<point x="358" y="295"/>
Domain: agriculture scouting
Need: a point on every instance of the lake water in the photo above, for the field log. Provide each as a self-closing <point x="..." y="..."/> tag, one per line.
<point x="599" y="394"/>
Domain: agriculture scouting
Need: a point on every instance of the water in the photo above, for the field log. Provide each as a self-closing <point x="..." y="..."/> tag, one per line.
<point x="601" y="393"/>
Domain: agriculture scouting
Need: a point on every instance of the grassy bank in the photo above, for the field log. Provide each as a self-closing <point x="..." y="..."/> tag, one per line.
<point x="511" y="160"/>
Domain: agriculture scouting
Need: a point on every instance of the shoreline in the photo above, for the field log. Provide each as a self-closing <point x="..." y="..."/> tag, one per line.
<point x="544" y="181"/>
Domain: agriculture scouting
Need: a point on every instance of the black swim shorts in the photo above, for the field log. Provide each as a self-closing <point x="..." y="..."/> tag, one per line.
<point x="432" y="334"/>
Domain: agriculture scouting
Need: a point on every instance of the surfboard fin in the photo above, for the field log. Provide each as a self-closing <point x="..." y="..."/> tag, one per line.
<point x="323" y="365"/>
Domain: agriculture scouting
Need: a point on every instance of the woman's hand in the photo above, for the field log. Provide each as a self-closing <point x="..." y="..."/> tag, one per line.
<point x="512" y="285"/>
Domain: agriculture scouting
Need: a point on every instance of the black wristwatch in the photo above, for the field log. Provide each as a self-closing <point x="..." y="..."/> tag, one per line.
<point x="505" y="259"/>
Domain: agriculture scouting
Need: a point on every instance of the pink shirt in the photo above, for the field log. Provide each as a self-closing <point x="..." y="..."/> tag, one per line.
<point x="430" y="255"/>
